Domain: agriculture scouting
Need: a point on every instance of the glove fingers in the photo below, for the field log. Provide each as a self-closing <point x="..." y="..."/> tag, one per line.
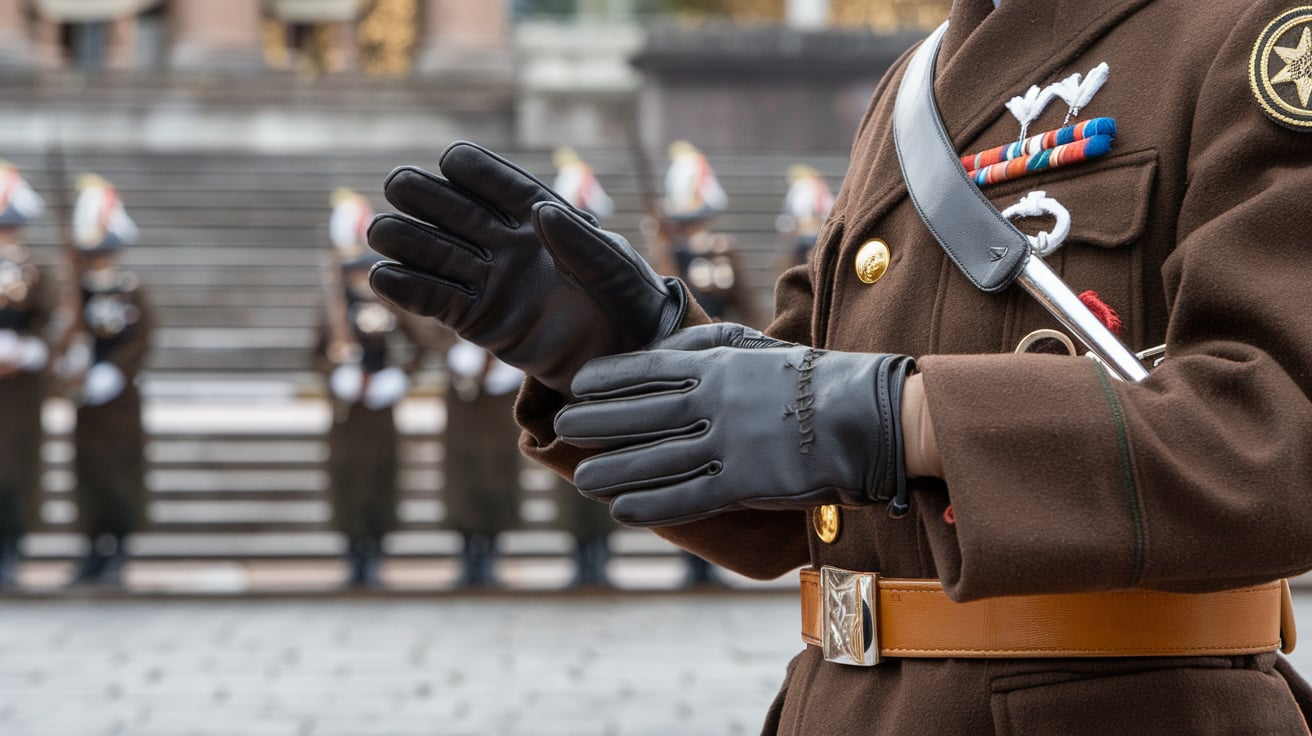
<point x="614" y="274"/>
<point x="494" y="180"/>
<point x="633" y="374"/>
<point x="684" y="500"/>
<point x="717" y="334"/>
<point x="582" y="250"/>
<point x="608" y="425"/>
<point x="428" y="197"/>
<point x="422" y="294"/>
<point x="657" y="465"/>
<point x="425" y="249"/>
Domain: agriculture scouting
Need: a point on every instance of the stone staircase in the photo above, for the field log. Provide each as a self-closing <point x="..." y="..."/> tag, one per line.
<point x="229" y="250"/>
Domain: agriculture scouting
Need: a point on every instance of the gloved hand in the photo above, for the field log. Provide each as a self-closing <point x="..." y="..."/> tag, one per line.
<point x="345" y="382"/>
<point x="498" y="257"/>
<point x="502" y="379"/>
<point x="386" y="387"/>
<point x="720" y="417"/>
<point x="103" y="384"/>
<point x="32" y="354"/>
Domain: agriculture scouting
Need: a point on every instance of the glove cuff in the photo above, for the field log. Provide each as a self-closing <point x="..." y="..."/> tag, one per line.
<point x="889" y="472"/>
<point x="675" y="310"/>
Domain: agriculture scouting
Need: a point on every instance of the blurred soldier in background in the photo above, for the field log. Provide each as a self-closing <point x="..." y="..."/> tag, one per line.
<point x="102" y="369"/>
<point x="590" y="523"/>
<point x="358" y="352"/>
<point x="482" y="457"/>
<point x="806" y="205"/>
<point x="707" y="261"/>
<point x="577" y="184"/>
<point x="24" y="311"/>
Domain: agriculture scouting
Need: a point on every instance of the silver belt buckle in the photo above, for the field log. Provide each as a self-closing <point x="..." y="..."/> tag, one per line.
<point x="849" y="616"/>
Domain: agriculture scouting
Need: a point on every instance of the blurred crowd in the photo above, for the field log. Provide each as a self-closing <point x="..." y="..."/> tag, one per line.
<point x="86" y="336"/>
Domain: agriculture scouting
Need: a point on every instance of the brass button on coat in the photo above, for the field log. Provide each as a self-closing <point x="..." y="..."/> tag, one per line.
<point x="872" y="261"/>
<point x="826" y="520"/>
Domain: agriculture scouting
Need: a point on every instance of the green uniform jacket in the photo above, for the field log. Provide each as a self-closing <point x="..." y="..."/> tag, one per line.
<point x="1196" y="229"/>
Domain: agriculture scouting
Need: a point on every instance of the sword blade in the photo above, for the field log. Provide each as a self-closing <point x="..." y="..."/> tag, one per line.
<point x="1042" y="283"/>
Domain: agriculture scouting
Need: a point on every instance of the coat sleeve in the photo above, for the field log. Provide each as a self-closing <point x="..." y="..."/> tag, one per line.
<point x="755" y="543"/>
<point x="758" y="544"/>
<point x="130" y="355"/>
<point x="1063" y="479"/>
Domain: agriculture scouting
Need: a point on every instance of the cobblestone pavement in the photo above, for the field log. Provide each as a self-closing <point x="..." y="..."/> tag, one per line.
<point x="531" y="664"/>
<point x="536" y="664"/>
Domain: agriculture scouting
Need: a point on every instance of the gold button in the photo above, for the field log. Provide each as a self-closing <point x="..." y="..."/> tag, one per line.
<point x="826" y="520"/>
<point x="872" y="261"/>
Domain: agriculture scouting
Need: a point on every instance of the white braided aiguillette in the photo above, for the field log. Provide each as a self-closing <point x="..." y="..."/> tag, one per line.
<point x="1026" y="108"/>
<point x="1037" y="204"/>
<point x="1079" y="93"/>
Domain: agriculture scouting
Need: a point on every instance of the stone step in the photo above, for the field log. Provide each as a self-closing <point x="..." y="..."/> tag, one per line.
<point x="302" y="544"/>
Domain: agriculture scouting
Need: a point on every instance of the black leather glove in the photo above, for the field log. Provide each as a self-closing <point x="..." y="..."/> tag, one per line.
<point x="495" y="255"/>
<point x="720" y="417"/>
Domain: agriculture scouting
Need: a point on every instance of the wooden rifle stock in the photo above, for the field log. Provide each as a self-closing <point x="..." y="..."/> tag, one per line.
<point x="342" y="345"/>
<point x="70" y="301"/>
<point x="660" y="236"/>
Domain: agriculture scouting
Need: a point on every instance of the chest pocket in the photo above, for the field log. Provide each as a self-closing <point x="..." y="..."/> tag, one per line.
<point x="1111" y="205"/>
<point x="1108" y="200"/>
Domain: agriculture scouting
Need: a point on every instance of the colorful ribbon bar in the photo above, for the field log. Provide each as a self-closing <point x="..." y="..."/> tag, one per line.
<point x="1050" y="158"/>
<point x="1040" y="142"/>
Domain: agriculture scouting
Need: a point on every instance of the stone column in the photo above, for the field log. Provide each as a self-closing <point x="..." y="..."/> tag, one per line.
<point x="15" y="49"/>
<point x="464" y="35"/>
<point x="121" y="44"/>
<point x="216" y="35"/>
<point x="47" y="50"/>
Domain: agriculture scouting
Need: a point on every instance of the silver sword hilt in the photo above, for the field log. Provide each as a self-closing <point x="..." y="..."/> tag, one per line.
<point x="1047" y="287"/>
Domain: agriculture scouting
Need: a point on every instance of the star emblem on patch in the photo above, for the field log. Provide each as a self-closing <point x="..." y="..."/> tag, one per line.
<point x="1280" y="69"/>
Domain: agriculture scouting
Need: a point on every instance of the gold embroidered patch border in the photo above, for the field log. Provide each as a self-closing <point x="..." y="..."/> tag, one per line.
<point x="1280" y="69"/>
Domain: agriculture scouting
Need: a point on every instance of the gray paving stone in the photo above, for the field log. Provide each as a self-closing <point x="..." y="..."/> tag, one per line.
<point x="522" y="664"/>
<point x="509" y="665"/>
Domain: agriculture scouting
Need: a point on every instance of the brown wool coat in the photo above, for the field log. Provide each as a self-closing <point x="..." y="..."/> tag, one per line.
<point x="481" y="489"/>
<point x="110" y="439"/>
<point x="364" y="463"/>
<point x="1195" y="228"/>
<point x="21" y="398"/>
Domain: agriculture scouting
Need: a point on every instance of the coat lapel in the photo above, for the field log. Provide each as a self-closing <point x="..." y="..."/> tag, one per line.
<point x="999" y="54"/>
<point x="988" y="57"/>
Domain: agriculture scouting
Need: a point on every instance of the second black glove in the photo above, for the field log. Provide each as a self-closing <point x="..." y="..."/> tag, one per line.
<point x="495" y="255"/>
<point x="720" y="417"/>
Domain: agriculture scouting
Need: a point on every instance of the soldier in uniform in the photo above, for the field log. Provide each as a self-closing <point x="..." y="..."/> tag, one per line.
<point x="24" y="310"/>
<point x="109" y="439"/>
<point x="358" y="351"/>
<point x="577" y="183"/>
<point x="482" y="488"/>
<point x="1057" y="551"/>
<point x="806" y="206"/>
<point x="706" y="261"/>
<point x="589" y="523"/>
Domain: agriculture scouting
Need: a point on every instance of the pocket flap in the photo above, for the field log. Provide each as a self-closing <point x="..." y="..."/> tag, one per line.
<point x="1108" y="199"/>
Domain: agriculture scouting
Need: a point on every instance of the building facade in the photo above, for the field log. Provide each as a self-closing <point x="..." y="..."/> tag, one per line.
<point x="390" y="37"/>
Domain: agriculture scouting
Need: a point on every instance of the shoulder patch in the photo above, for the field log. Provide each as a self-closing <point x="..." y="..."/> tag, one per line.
<point x="1280" y="69"/>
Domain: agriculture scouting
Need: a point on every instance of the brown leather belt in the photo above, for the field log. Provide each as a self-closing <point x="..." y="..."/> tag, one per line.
<point x="914" y="618"/>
